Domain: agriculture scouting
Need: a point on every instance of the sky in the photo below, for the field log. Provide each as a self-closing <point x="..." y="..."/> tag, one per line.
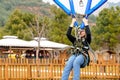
<point x="79" y="9"/>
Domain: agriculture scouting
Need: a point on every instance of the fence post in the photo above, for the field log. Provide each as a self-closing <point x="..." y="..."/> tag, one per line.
<point x="118" y="70"/>
<point x="28" y="70"/>
<point x="51" y="70"/>
<point x="6" y="70"/>
<point x="0" y="69"/>
<point x="37" y="62"/>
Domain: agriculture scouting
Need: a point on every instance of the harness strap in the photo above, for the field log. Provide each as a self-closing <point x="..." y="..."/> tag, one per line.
<point x="86" y="58"/>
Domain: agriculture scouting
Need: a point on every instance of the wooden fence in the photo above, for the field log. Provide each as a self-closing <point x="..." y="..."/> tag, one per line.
<point x="51" y="69"/>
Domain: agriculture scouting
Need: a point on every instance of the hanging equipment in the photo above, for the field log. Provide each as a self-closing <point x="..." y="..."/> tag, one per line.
<point x="81" y="4"/>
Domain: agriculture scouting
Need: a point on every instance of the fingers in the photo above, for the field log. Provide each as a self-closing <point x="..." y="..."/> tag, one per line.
<point x="73" y="21"/>
<point x="85" y="21"/>
<point x="73" y="16"/>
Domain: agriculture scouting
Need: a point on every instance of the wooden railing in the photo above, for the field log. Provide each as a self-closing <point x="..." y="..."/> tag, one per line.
<point x="51" y="69"/>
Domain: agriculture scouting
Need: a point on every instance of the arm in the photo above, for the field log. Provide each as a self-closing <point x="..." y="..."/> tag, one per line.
<point x="70" y="37"/>
<point x="87" y="30"/>
<point x="88" y="34"/>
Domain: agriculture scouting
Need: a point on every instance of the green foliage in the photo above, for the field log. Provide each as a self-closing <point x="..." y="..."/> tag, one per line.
<point x="107" y="29"/>
<point x="59" y="26"/>
<point x="1" y="32"/>
<point x="25" y="25"/>
<point x="7" y="6"/>
<point x="18" y="22"/>
<point x="3" y="16"/>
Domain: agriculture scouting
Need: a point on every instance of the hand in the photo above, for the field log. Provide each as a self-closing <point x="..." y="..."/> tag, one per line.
<point x="85" y="21"/>
<point x="73" y="21"/>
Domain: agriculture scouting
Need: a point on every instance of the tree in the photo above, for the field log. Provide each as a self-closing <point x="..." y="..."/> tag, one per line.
<point x="38" y="29"/>
<point x="107" y="29"/>
<point x="60" y="23"/>
<point x="1" y="32"/>
<point x="18" y="24"/>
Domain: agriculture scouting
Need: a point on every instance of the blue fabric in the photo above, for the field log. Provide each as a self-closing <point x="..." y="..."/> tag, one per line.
<point x="74" y="62"/>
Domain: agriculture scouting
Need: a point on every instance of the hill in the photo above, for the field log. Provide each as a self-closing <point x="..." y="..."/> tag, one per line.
<point x="106" y="5"/>
<point x="33" y="6"/>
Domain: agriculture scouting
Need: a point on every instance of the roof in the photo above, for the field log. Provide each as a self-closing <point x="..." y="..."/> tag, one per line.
<point x="48" y="44"/>
<point x="14" y="41"/>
